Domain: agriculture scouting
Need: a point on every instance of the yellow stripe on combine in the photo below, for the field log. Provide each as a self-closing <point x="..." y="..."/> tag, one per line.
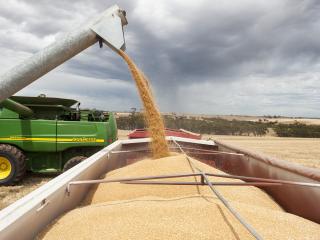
<point x="27" y="139"/>
<point x="76" y="139"/>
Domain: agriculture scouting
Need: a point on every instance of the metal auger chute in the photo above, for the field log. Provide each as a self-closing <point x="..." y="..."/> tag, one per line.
<point x="106" y="28"/>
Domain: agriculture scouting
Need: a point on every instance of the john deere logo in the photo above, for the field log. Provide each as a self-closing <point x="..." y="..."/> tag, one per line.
<point x="84" y="139"/>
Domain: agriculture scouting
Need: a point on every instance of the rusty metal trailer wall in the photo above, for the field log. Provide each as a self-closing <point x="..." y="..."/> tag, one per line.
<point x="302" y="201"/>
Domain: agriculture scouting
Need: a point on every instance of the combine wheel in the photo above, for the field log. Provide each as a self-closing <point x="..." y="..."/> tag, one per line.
<point x="12" y="164"/>
<point x="72" y="162"/>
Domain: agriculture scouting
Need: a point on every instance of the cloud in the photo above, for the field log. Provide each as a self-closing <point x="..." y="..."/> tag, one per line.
<point x="232" y="57"/>
<point x="269" y="94"/>
<point x="91" y="92"/>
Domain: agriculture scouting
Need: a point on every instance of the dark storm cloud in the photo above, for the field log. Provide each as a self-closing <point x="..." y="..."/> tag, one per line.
<point x="236" y="44"/>
<point x="204" y="44"/>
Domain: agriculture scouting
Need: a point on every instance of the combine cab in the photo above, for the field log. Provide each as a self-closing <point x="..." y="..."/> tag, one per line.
<point x="48" y="135"/>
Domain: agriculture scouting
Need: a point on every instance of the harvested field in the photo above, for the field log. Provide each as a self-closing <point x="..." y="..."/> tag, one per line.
<point x="10" y="194"/>
<point x="305" y="151"/>
<point x="175" y="212"/>
<point x="123" y="134"/>
<point x="308" y="121"/>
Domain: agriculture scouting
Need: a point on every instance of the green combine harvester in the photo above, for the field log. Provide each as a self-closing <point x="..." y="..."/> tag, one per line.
<point x="49" y="135"/>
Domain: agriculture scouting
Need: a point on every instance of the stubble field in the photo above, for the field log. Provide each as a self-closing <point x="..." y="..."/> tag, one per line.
<point x="305" y="151"/>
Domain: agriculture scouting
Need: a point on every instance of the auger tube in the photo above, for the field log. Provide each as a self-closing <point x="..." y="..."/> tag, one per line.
<point x="19" y="108"/>
<point x="107" y="28"/>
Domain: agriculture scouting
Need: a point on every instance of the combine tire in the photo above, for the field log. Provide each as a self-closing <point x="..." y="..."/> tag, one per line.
<point x="72" y="162"/>
<point x="12" y="164"/>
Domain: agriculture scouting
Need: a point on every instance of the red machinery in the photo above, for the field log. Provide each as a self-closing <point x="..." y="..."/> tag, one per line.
<point x="143" y="133"/>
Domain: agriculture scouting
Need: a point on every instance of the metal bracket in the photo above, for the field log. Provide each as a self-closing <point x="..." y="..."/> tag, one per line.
<point x="100" y="42"/>
<point x="44" y="203"/>
<point x="110" y="29"/>
<point x="202" y="180"/>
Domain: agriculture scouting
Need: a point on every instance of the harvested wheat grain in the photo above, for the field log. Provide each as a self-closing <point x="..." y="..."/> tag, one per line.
<point x="192" y="217"/>
<point x="120" y="211"/>
<point x="172" y="165"/>
<point x="153" y="117"/>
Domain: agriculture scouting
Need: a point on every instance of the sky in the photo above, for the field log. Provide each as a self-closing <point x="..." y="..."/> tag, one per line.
<point x="246" y="57"/>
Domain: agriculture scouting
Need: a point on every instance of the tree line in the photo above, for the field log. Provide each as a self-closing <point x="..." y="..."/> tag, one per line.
<point x="219" y="126"/>
<point x="216" y="126"/>
<point x="297" y="130"/>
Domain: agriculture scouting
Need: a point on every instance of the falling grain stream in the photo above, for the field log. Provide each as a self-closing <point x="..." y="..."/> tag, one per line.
<point x="152" y="115"/>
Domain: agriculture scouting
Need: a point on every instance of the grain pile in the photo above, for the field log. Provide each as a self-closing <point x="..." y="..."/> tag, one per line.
<point x="152" y="115"/>
<point x="121" y="211"/>
<point x="171" y="165"/>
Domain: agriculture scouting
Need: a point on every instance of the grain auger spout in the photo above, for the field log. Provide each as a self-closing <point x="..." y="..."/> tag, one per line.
<point x="106" y="28"/>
